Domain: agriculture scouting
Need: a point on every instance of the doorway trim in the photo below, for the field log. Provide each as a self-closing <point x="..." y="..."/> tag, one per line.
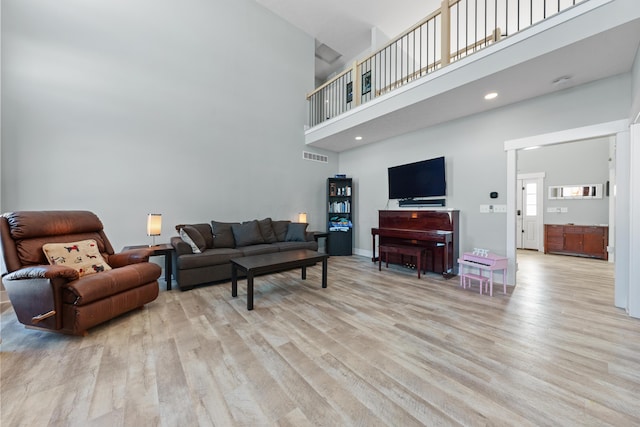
<point x="619" y="129"/>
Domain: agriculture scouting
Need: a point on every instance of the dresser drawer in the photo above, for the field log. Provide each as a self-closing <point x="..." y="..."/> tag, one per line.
<point x="554" y="230"/>
<point x="594" y="230"/>
<point x="573" y="229"/>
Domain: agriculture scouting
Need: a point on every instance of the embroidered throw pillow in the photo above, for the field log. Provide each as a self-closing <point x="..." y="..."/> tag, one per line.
<point x="83" y="256"/>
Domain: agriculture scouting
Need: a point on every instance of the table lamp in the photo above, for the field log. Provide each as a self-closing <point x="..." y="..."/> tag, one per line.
<point x="154" y="226"/>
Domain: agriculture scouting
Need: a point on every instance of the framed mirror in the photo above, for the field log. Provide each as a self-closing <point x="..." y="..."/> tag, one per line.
<point x="590" y="191"/>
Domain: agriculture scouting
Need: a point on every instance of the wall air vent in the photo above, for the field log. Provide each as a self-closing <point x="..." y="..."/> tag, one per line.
<point x="315" y="157"/>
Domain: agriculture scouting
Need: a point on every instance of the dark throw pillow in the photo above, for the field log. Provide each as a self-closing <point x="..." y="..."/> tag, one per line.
<point x="247" y="233"/>
<point x="296" y="232"/>
<point x="266" y="229"/>
<point x="222" y="234"/>
<point x="280" y="229"/>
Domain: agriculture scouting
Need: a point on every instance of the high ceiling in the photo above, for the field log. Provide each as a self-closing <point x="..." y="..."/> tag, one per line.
<point x="345" y="26"/>
<point x="561" y="57"/>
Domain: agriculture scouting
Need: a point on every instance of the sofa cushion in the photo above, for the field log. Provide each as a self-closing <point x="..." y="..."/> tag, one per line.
<point x="95" y="287"/>
<point x="207" y="258"/>
<point x="296" y="232"/>
<point x="290" y="246"/>
<point x="266" y="229"/>
<point x="280" y="229"/>
<point x="265" y="248"/>
<point x="193" y="238"/>
<point x="247" y="234"/>
<point x="83" y="256"/>
<point x="222" y="234"/>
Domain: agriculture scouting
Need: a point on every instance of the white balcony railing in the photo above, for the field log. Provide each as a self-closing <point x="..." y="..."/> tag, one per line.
<point x="459" y="28"/>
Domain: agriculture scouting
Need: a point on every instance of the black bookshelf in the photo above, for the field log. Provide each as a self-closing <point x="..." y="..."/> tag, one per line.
<point x="340" y="215"/>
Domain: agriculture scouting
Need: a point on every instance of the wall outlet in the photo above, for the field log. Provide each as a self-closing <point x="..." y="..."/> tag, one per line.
<point x="485" y="208"/>
<point x="500" y="208"/>
<point x="564" y="210"/>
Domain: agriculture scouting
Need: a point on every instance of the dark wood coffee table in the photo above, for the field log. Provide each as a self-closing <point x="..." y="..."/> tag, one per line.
<point x="273" y="263"/>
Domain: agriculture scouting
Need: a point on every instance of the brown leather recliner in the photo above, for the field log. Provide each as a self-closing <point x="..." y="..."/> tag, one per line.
<point x="55" y="297"/>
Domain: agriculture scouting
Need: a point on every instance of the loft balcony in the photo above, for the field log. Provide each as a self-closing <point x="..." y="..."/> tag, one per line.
<point x="520" y="49"/>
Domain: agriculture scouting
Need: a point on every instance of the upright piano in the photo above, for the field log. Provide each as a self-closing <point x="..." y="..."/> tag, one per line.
<point x="436" y="231"/>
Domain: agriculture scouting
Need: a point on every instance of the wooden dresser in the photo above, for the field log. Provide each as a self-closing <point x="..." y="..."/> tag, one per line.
<point x="578" y="240"/>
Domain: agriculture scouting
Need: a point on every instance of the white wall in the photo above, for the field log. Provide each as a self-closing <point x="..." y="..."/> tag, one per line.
<point x="191" y="109"/>
<point x="476" y="160"/>
<point x="589" y="162"/>
<point x="635" y="90"/>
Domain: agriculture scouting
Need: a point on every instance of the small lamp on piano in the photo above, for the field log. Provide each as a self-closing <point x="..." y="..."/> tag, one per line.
<point x="302" y="217"/>
<point x="154" y="227"/>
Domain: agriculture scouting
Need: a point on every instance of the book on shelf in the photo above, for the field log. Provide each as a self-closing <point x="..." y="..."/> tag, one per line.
<point x="340" y="207"/>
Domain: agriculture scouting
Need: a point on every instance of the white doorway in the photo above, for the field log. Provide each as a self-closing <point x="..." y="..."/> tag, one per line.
<point x="529" y="211"/>
<point x="627" y="285"/>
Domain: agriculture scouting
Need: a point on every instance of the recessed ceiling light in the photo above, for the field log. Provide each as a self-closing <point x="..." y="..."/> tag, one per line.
<point x="491" y="95"/>
<point x="358" y="138"/>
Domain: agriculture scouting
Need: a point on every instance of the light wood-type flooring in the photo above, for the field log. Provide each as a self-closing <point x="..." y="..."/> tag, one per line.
<point x="373" y="349"/>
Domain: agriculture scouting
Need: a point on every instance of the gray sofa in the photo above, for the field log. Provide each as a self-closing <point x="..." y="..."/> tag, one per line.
<point x="203" y="252"/>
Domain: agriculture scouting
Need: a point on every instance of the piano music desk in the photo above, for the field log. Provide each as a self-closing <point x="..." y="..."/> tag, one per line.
<point x="490" y="263"/>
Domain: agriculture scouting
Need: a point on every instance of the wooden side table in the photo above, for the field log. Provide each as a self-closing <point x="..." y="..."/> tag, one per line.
<point x="163" y="249"/>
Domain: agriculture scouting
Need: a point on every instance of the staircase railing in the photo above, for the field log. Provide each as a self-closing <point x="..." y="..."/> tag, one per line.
<point x="459" y="28"/>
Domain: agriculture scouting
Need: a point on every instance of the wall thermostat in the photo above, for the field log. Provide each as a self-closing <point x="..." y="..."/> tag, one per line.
<point x="493" y="194"/>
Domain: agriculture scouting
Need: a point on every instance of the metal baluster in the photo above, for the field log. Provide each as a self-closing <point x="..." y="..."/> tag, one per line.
<point x="466" y="27"/>
<point x="476" y="21"/>
<point x="530" y="12"/>
<point x="506" y="17"/>
<point x="400" y="55"/>
<point x="484" y="31"/>
<point x="420" y="51"/>
<point x="497" y="18"/>
<point x="377" y="68"/>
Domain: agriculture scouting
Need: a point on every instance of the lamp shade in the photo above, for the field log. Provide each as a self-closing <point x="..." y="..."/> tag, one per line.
<point x="154" y="224"/>
<point x="302" y="217"/>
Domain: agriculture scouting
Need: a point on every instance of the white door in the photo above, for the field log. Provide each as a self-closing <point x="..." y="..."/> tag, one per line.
<point x="529" y="213"/>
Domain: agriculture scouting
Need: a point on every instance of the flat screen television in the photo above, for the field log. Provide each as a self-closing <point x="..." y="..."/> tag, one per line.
<point x="419" y="179"/>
